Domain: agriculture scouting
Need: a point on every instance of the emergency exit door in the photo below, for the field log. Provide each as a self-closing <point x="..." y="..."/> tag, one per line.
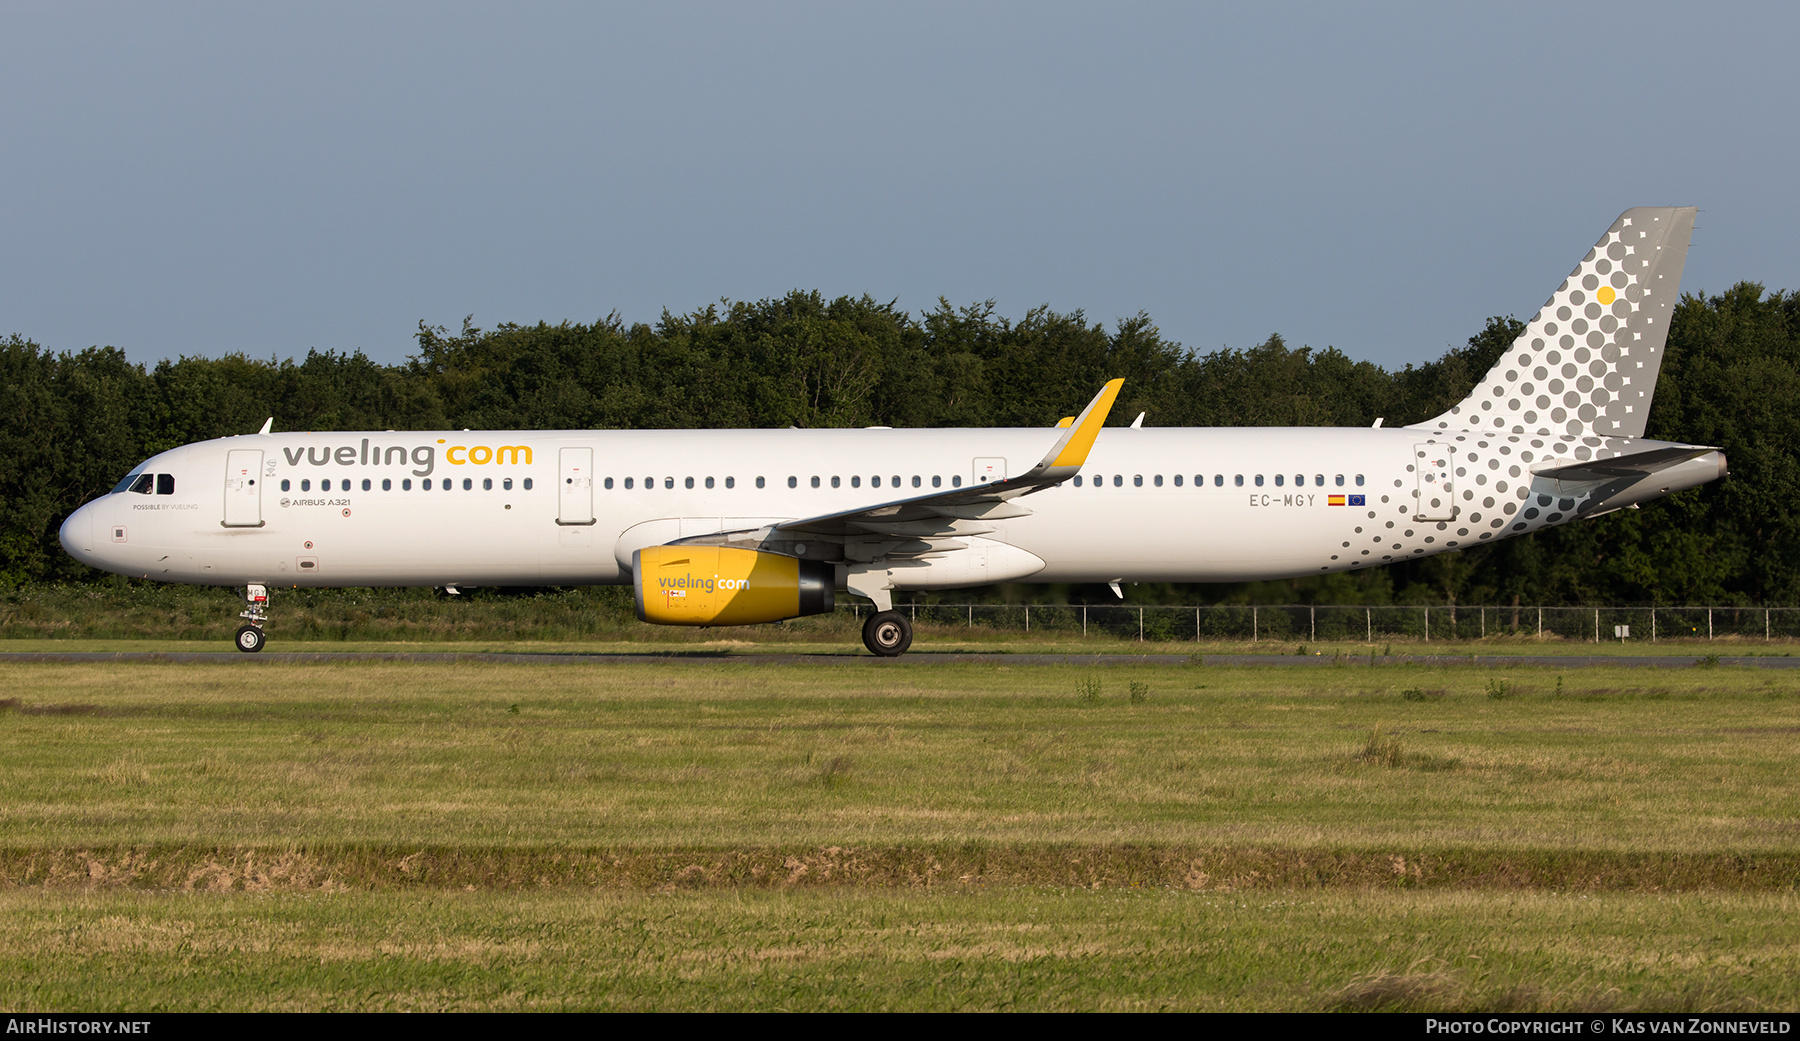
<point x="243" y="493"/>
<point x="575" y="486"/>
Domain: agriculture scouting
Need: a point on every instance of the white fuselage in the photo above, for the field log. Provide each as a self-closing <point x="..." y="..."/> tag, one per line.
<point x="1158" y="504"/>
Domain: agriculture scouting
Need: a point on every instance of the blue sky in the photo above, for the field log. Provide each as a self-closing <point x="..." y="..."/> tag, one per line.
<point x="208" y="178"/>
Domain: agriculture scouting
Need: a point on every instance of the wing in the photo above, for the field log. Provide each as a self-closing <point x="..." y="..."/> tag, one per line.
<point x="940" y="512"/>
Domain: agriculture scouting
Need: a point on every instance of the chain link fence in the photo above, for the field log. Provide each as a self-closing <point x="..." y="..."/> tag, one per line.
<point x="1338" y="623"/>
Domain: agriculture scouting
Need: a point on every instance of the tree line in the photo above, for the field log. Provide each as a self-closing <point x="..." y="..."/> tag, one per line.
<point x="73" y="422"/>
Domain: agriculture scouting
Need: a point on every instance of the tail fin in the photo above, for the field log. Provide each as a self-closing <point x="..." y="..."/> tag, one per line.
<point x="1588" y="360"/>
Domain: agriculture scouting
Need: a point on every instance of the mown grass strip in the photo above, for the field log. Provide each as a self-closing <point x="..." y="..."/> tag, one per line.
<point x="1195" y="868"/>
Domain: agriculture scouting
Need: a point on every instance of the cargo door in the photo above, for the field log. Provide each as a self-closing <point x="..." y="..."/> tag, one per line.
<point x="575" y="487"/>
<point x="1434" y="467"/>
<point x="243" y="492"/>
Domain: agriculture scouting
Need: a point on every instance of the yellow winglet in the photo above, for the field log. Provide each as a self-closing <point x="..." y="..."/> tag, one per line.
<point x="1065" y="421"/>
<point x="1073" y="451"/>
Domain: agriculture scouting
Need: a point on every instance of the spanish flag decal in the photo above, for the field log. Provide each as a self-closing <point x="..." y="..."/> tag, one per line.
<point x="1335" y="500"/>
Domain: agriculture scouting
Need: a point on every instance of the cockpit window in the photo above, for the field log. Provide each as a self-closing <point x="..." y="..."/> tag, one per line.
<point x="144" y="484"/>
<point x="127" y="481"/>
<point x="165" y="484"/>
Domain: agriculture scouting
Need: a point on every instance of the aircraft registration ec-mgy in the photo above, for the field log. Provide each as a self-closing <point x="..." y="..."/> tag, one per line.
<point x="732" y="527"/>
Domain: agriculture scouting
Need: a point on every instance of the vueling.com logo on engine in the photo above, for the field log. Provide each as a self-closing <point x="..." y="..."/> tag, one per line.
<point x="680" y="586"/>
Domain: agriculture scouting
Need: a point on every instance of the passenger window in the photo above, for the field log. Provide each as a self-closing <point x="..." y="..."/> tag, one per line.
<point x="1359" y="480"/>
<point x="856" y="480"/>
<point x="937" y="481"/>
<point x="669" y="483"/>
<point x="468" y="484"/>
<point x="730" y="482"/>
<point x="1219" y="480"/>
<point x="627" y="484"/>
<point x="1137" y="480"/>
<point x="689" y="483"/>
<point x="387" y="484"/>
<point x="1299" y="480"/>
<point x="507" y="483"/>
<point x="1178" y="480"/>
<point x="1118" y="480"/>
<point x="793" y="482"/>
<point x="487" y="484"/>
<point x="406" y="484"/>
<point x="956" y="480"/>
<point x="1259" y="480"/>
<point x="284" y="484"/>
<point x="1077" y="480"/>
<point x="1319" y="479"/>
<point x="875" y="481"/>
<point x="607" y="484"/>
<point x="306" y="485"/>
<point x="367" y="484"/>
<point x="1280" y="479"/>
<point x="1157" y="480"/>
<point x="527" y="484"/>
<point x="424" y="485"/>
<point x="815" y="480"/>
<point x="896" y="480"/>
<point x="759" y="482"/>
<point x="709" y="482"/>
<point x="916" y="481"/>
<point x="165" y="484"/>
<point x="834" y="480"/>
<point x="1340" y="480"/>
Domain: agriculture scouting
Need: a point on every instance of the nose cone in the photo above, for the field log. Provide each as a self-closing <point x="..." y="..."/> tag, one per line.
<point x="77" y="536"/>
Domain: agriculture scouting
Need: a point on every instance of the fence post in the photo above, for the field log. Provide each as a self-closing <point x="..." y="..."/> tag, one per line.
<point x="1084" y="621"/>
<point x="1596" y="625"/>
<point x="971" y="616"/>
<point x="1027" y="617"/>
<point x="1252" y="624"/>
<point x="1765" y="625"/>
<point x="1369" y="624"/>
<point x="1428" y="625"/>
<point x="1140" y="625"/>
<point x="1196" y="625"/>
<point x="1312" y="623"/>
<point x="1484" y="623"/>
<point x="1709" y="623"/>
<point x="1540" y="623"/>
<point x="1653" y="625"/>
<point x="915" y="610"/>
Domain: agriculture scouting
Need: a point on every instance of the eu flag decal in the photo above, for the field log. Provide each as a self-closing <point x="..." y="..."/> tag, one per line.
<point x="1358" y="500"/>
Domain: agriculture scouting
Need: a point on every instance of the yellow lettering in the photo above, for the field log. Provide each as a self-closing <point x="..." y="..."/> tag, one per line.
<point x="450" y="454"/>
<point x="503" y="451"/>
<point x="480" y="454"/>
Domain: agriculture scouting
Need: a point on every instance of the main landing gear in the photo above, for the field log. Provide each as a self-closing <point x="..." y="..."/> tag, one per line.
<point x="887" y="634"/>
<point x="250" y="637"/>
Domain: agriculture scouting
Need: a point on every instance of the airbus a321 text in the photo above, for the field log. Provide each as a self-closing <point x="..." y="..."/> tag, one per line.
<point x="731" y="527"/>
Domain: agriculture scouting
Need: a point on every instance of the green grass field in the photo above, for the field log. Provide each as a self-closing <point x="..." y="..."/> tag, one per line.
<point x="703" y="834"/>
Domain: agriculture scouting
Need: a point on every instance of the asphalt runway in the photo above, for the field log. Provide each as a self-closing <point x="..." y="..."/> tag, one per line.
<point x="917" y="658"/>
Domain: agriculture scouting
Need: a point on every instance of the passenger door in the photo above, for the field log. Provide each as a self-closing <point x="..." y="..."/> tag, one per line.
<point x="1434" y="467"/>
<point x="243" y="495"/>
<point x="575" y="487"/>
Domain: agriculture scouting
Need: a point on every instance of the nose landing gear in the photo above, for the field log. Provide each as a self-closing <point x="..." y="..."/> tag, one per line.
<point x="250" y="637"/>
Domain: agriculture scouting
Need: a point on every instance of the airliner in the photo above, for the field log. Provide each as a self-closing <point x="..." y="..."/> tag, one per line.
<point x="735" y="527"/>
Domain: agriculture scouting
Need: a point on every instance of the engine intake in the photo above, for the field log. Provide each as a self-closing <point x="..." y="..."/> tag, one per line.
<point x="717" y="585"/>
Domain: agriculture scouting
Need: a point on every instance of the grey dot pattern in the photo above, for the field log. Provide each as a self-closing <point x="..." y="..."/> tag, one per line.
<point x="1587" y="362"/>
<point x="1492" y="487"/>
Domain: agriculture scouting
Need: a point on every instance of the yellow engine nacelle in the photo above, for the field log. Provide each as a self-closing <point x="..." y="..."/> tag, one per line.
<point x="716" y="585"/>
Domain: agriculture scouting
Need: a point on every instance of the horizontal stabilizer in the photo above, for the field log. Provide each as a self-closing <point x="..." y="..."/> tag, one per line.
<point x="1637" y="464"/>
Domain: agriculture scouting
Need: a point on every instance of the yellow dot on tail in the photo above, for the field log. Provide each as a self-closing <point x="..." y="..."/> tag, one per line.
<point x="1605" y="295"/>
